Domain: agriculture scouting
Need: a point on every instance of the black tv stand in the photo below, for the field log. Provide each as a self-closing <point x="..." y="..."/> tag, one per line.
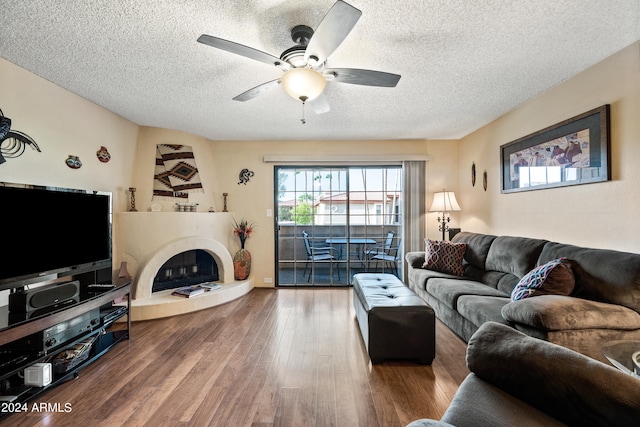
<point x="20" y="348"/>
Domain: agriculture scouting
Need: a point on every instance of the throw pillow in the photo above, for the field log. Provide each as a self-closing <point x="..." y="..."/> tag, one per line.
<point x="553" y="278"/>
<point x="444" y="257"/>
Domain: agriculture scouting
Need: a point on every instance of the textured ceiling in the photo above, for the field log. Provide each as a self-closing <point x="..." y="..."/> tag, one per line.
<point x="463" y="63"/>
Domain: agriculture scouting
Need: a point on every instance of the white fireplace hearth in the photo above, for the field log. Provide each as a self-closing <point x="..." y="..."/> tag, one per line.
<point x="146" y="240"/>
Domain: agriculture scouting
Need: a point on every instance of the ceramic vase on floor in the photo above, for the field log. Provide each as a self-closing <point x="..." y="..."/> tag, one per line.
<point x="242" y="264"/>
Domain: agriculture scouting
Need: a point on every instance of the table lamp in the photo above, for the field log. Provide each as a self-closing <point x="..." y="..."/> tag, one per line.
<point x="444" y="202"/>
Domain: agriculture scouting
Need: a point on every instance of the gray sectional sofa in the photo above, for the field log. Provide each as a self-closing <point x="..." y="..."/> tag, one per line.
<point x="603" y="306"/>
<point x="517" y="380"/>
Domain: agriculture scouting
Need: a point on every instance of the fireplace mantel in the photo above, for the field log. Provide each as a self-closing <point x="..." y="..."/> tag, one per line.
<point x="145" y="240"/>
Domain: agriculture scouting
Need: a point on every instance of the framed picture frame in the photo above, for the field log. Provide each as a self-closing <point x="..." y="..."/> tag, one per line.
<point x="573" y="152"/>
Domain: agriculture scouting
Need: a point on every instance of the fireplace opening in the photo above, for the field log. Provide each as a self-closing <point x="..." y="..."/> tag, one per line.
<point x="187" y="268"/>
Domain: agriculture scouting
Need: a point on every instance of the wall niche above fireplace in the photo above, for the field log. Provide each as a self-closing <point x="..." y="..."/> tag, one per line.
<point x="186" y="268"/>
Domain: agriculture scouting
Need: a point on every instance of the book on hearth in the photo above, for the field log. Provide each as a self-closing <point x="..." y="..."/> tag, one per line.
<point x="211" y="286"/>
<point x="188" y="291"/>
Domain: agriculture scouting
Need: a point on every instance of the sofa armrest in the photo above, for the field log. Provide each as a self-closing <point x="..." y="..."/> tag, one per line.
<point x="567" y="385"/>
<point x="559" y="312"/>
<point x="415" y="259"/>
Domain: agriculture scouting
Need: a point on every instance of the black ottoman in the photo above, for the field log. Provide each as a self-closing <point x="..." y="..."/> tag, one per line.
<point x="395" y="323"/>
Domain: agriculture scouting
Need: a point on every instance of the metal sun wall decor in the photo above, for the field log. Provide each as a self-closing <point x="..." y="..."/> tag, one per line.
<point x="13" y="143"/>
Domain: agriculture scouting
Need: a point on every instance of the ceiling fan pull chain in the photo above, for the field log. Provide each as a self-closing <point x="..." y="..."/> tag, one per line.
<point x="303" y="99"/>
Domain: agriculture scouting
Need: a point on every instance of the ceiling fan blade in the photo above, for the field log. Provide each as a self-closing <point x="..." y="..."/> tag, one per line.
<point x="320" y="105"/>
<point x="240" y="49"/>
<point x="362" y="77"/>
<point x="333" y="29"/>
<point x="257" y="91"/>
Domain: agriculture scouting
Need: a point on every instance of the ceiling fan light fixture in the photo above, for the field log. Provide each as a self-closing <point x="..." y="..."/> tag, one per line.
<point x="304" y="83"/>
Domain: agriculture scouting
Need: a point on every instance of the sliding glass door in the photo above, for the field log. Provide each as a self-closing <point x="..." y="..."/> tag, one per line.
<point x="333" y="222"/>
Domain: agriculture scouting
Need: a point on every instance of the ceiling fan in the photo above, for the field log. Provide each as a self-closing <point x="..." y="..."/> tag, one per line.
<point x="304" y="65"/>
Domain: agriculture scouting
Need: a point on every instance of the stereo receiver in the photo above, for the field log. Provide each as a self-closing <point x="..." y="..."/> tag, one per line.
<point x="56" y="335"/>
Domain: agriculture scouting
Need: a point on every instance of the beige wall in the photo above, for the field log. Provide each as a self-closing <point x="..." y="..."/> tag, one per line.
<point x="602" y="215"/>
<point x="64" y="124"/>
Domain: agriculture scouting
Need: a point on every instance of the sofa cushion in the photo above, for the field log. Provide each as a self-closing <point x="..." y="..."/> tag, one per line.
<point x="448" y="291"/>
<point x="479" y="309"/>
<point x="479" y="403"/>
<point x="415" y="259"/>
<point x="477" y="247"/>
<point x="515" y="255"/>
<point x="552" y="278"/>
<point x="601" y="274"/>
<point x="569" y="386"/>
<point x="419" y="277"/>
<point x="558" y="312"/>
<point x="444" y="257"/>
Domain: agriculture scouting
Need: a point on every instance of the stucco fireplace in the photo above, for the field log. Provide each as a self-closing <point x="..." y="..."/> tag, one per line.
<point x="147" y="240"/>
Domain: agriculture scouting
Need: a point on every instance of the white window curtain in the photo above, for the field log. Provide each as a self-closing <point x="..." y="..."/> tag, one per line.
<point x="414" y="205"/>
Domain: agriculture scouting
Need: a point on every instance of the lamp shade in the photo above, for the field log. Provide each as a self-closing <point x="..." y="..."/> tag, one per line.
<point x="304" y="84"/>
<point x="444" y="201"/>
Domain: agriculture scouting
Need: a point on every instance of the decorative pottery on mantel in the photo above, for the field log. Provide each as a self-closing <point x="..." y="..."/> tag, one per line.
<point x="242" y="264"/>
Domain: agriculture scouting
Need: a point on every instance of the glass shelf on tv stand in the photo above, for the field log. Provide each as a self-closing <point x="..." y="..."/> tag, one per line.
<point x="11" y="320"/>
<point x="620" y="353"/>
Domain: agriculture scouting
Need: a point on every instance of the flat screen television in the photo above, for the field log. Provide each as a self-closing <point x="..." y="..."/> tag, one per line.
<point x="46" y="231"/>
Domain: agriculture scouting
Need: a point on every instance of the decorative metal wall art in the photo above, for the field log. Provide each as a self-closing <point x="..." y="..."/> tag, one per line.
<point x="5" y="126"/>
<point x="13" y="143"/>
<point x="245" y="176"/>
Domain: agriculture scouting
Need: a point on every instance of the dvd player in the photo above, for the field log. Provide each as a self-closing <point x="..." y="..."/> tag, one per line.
<point x="112" y="313"/>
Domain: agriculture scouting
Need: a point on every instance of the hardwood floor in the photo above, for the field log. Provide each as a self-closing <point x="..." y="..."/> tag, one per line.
<point x="275" y="357"/>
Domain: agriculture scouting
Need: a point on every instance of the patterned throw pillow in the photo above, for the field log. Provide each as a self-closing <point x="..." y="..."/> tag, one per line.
<point x="553" y="278"/>
<point x="444" y="257"/>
